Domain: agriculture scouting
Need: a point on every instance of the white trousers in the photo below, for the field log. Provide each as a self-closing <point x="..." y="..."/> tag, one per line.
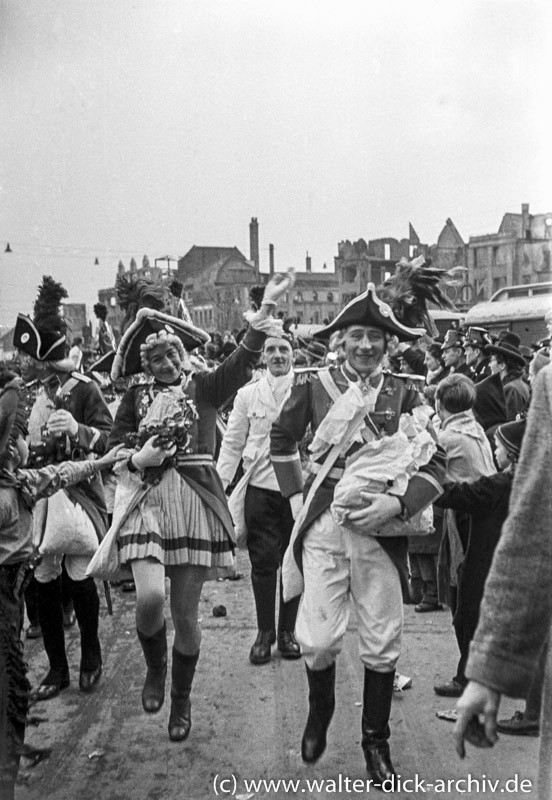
<point x="339" y="565"/>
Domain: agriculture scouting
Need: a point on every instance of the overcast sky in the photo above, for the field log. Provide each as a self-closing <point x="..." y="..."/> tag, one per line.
<point x="132" y="127"/>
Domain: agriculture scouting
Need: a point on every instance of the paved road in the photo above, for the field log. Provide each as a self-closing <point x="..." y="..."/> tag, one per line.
<point x="248" y="721"/>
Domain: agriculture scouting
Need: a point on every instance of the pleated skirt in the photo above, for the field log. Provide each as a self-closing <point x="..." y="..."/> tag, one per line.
<point x="173" y="525"/>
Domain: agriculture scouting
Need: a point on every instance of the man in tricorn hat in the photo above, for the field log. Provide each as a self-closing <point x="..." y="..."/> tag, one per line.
<point x="507" y="361"/>
<point x="329" y="563"/>
<point x="477" y="359"/>
<point x="453" y="353"/>
<point x="69" y="421"/>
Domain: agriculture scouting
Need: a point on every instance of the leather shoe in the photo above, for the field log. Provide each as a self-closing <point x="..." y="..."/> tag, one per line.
<point x="180" y="719"/>
<point x="33" y="632"/>
<point x="424" y="607"/>
<point x="288" y="645"/>
<point x="450" y="689"/>
<point x="260" y="653"/>
<point x="87" y="680"/>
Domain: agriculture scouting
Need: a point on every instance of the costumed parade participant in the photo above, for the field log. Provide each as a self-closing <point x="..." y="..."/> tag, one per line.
<point x="257" y="500"/>
<point x="69" y="420"/>
<point x="20" y="489"/>
<point x="106" y="338"/>
<point x="171" y="513"/>
<point x="349" y="406"/>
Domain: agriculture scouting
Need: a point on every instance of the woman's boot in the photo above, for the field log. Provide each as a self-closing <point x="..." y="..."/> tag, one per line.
<point x="155" y="653"/>
<point x="378" y="693"/>
<point x="180" y="719"/>
<point x="321" y="709"/>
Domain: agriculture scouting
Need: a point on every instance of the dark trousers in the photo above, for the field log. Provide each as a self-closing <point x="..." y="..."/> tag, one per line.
<point x="269" y="523"/>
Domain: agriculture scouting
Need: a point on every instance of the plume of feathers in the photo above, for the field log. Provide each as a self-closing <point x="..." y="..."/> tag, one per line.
<point x="100" y="310"/>
<point x="136" y="293"/>
<point x="47" y="307"/>
<point x="408" y="292"/>
<point x="175" y="288"/>
<point x="256" y="294"/>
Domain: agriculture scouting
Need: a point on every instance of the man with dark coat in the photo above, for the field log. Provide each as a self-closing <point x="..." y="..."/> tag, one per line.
<point x="69" y="421"/>
<point x="507" y="360"/>
<point x="477" y="359"/>
<point x="454" y="356"/>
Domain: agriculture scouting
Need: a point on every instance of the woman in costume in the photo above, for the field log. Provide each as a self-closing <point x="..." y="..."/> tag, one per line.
<point x="170" y="506"/>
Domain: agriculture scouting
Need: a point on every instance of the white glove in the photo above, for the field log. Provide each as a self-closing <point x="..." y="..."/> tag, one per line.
<point x="277" y="286"/>
<point x="296" y="503"/>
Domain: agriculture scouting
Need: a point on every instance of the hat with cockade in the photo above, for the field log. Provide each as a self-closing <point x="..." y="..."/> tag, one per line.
<point x="44" y="336"/>
<point x="399" y="306"/>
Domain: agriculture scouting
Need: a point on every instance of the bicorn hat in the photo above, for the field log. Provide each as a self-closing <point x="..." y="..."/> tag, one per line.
<point x="368" y="309"/>
<point x="453" y="338"/>
<point x="104" y="363"/>
<point x="477" y="337"/>
<point x="127" y="360"/>
<point x="507" y="345"/>
<point x="511" y="435"/>
<point x="44" y="336"/>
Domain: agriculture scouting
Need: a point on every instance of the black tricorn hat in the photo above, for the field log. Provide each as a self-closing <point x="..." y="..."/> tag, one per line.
<point x="368" y="309"/>
<point x="104" y="363"/>
<point x="43" y="337"/>
<point x="508" y="346"/>
<point x="149" y="321"/>
<point x="41" y="345"/>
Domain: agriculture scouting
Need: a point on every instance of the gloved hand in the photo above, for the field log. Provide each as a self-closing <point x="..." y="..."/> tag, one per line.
<point x="277" y="286"/>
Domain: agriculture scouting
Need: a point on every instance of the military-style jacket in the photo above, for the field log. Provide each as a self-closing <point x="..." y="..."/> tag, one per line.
<point x="81" y="396"/>
<point x="307" y="405"/>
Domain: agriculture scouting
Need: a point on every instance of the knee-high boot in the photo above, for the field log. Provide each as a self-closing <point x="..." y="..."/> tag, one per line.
<point x="50" y="617"/>
<point x="321" y="709"/>
<point x="87" y="611"/>
<point x="180" y="718"/>
<point x="378" y="694"/>
<point x="155" y="653"/>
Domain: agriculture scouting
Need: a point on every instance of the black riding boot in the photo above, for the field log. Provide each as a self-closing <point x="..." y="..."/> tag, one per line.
<point x="50" y="617"/>
<point x="264" y="591"/>
<point x="321" y="709"/>
<point x="155" y="653"/>
<point x="87" y="611"/>
<point x="180" y="718"/>
<point x="378" y="693"/>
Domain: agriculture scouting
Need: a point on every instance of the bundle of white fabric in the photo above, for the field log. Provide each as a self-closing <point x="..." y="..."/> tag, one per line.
<point x="386" y="465"/>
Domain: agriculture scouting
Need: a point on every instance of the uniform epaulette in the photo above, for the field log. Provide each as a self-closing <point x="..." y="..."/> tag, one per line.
<point x="304" y="375"/>
<point x="79" y="376"/>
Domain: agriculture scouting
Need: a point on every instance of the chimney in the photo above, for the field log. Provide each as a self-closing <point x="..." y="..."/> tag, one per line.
<point x="525" y="221"/>
<point x="254" y="242"/>
<point x="271" y="259"/>
<point x="308" y="262"/>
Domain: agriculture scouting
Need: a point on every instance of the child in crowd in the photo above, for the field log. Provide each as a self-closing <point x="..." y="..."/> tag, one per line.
<point x="486" y="502"/>
<point x="469" y="457"/>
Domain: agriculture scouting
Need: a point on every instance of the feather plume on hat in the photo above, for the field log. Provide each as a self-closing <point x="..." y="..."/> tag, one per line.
<point x="411" y="288"/>
<point x="176" y="288"/>
<point x="46" y="310"/>
<point x="136" y="293"/>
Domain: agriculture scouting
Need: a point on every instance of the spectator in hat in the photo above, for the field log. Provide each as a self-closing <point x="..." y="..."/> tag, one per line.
<point x="476" y="358"/>
<point x="454" y="356"/>
<point x="507" y="361"/>
<point x="485" y="503"/>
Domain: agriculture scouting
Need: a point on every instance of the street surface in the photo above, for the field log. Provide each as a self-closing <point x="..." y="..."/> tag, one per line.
<point x="248" y="721"/>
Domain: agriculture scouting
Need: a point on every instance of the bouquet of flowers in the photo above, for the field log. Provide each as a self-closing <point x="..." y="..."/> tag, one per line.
<point x="173" y="430"/>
